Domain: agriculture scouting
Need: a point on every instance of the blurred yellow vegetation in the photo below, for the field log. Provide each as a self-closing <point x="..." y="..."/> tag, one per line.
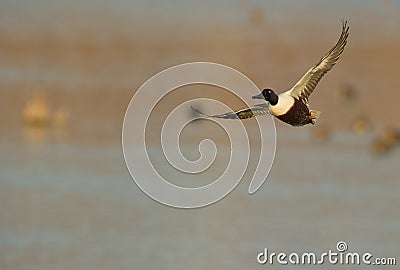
<point x="37" y="110"/>
<point x="386" y="141"/>
<point x="39" y="117"/>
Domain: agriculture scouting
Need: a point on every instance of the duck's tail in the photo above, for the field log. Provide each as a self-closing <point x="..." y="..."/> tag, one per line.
<point x="314" y="115"/>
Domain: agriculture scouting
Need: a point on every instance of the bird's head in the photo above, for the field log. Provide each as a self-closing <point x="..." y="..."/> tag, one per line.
<point x="268" y="95"/>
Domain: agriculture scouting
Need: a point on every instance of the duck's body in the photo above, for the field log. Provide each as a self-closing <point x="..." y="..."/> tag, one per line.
<point x="291" y="106"/>
<point x="289" y="109"/>
<point x="296" y="114"/>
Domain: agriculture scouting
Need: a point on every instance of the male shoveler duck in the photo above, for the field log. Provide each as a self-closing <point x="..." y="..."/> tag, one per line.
<point x="291" y="106"/>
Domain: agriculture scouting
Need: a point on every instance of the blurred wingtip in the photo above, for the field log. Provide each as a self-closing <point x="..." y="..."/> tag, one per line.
<point x="196" y="111"/>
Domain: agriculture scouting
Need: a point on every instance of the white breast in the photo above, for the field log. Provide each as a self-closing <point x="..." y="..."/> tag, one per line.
<point x="285" y="102"/>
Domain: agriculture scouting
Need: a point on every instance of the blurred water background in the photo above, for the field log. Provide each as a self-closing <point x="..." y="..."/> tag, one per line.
<point x="67" y="200"/>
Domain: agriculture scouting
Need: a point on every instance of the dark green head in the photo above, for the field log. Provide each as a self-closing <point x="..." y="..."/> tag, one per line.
<point x="269" y="95"/>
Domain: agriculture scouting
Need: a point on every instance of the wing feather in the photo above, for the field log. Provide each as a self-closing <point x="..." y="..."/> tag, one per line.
<point x="306" y="85"/>
<point x="257" y="110"/>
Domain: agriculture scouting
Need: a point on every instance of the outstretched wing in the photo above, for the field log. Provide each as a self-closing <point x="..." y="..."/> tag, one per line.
<point x="306" y="85"/>
<point x="257" y="110"/>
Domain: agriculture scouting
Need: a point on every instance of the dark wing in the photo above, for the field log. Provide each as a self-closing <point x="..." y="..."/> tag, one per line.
<point x="257" y="110"/>
<point x="306" y="85"/>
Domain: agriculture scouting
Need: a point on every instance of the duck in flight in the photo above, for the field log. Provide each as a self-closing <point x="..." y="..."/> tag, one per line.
<point x="292" y="106"/>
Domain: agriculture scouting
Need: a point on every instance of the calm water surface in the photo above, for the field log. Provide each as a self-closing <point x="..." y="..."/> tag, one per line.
<point x="75" y="206"/>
